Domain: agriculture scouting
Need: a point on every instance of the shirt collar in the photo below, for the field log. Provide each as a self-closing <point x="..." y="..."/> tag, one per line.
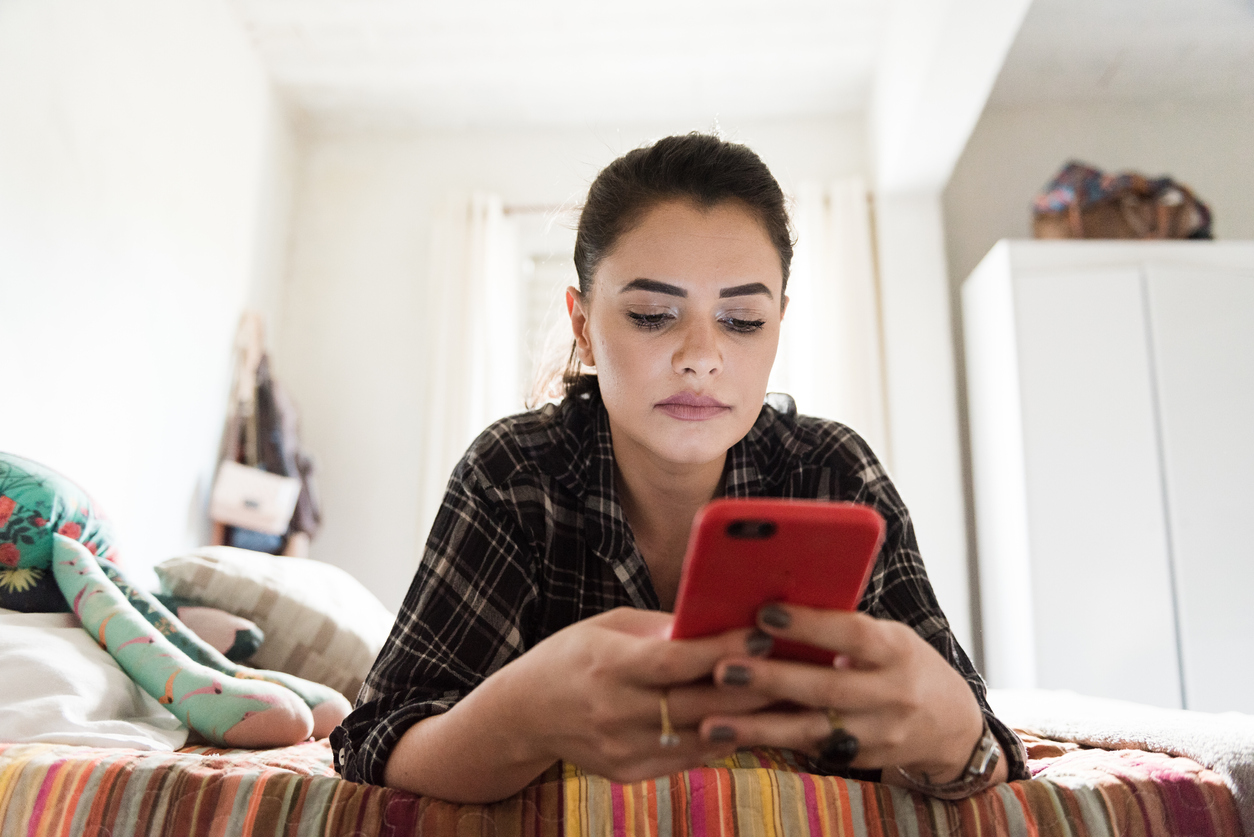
<point x="583" y="462"/>
<point x="760" y="464"/>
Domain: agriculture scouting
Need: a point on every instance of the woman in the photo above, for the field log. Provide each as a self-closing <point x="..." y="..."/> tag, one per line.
<point x="535" y="627"/>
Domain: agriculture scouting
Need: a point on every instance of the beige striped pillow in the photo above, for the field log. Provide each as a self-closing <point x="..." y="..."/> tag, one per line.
<point x="320" y="622"/>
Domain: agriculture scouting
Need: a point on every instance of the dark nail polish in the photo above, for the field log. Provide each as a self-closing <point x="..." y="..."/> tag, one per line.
<point x="759" y="644"/>
<point x="722" y="735"/>
<point x="736" y="676"/>
<point x="775" y="616"/>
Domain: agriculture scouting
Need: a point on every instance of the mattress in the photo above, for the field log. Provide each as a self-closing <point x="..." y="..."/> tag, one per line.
<point x="56" y="789"/>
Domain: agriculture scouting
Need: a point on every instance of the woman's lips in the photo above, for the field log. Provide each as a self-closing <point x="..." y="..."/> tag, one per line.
<point x="687" y="406"/>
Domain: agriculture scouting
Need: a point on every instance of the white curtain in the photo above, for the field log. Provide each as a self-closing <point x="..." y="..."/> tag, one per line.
<point x="473" y="336"/>
<point x="831" y="352"/>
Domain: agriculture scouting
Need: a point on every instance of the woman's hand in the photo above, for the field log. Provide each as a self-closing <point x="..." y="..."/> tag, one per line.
<point x="591" y="695"/>
<point x="597" y="687"/>
<point x="900" y="698"/>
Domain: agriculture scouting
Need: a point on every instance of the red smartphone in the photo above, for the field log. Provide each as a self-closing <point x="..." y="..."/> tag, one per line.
<point x="744" y="553"/>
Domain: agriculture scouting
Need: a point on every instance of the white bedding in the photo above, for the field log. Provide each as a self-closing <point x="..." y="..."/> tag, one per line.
<point x="1223" y="742"/>
<point x="58" y="686"/>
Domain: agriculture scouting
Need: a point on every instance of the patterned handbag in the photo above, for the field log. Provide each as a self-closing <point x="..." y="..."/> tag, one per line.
<point x="1084" y="202"/>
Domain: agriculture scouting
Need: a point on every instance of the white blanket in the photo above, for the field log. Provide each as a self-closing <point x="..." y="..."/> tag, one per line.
<point x="1223" y="742"/>
<point x="58" y="686"/>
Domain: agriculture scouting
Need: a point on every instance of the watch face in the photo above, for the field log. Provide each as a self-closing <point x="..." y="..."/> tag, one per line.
<point x="984" y="759"/>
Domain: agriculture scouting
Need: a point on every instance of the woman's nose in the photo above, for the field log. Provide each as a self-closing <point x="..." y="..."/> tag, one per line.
<point x="698" y="351"/>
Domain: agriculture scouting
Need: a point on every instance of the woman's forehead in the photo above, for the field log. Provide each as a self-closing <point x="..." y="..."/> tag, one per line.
<point x="681" y="244"/>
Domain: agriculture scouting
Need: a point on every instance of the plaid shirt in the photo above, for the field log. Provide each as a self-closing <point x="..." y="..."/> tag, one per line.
<point x="531" y="538"/>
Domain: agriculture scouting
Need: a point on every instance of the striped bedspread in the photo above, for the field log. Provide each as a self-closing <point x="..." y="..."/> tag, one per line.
<point x="50" y="789"/>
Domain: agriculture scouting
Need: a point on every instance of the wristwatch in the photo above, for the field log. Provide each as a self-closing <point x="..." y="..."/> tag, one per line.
<point x="974" y="777"/>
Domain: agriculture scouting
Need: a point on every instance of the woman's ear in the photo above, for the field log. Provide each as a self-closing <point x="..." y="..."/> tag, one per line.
<point x="783" y="308"/>
<point x="576" y="306"/>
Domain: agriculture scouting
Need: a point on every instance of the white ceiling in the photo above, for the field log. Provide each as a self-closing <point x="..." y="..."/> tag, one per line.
<point x="493" y="62"/>
<point x="1131" y="50"/>
<point x="542" y="62"/>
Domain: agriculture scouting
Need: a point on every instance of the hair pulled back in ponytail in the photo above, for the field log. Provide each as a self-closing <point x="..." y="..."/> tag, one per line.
<point x="697" y="167"/>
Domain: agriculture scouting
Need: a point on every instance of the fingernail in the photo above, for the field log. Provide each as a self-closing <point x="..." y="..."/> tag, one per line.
<point x="759" y="644"/>
<point x="735" y="675"/>
<point x="721" y="735"/>
<point x="775" y="616"/>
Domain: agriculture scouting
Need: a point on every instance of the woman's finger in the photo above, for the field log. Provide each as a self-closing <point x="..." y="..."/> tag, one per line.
<point x="865" y="639"/>
<point x="638" y="751"/>
<point x="655" y="662"/>
<point x="806" y="684"/>
<point x="628" y="647"/>
<point x="637" y="710"/>
<point x="689" y="704"/>
<point x="804" y="731"/>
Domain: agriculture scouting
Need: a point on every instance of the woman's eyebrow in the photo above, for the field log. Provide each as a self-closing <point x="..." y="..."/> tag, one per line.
<point x="746" y="290"/>
<point x="655" y="286"/>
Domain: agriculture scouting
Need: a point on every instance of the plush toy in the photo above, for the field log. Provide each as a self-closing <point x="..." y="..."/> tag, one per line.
<point x="51" y="534"/>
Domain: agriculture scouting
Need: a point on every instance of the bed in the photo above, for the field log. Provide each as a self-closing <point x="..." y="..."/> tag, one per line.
<point x="100" y="757"/>
<point x="94" y="755"/>
<point x="59" y="789"/>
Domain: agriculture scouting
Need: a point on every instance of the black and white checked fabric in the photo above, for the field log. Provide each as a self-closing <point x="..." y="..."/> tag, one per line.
<point x="531" y="538"/>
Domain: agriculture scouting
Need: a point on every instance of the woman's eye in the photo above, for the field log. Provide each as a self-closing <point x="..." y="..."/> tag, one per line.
<point x="649" y="322"/>
<point x="743" y="326"/>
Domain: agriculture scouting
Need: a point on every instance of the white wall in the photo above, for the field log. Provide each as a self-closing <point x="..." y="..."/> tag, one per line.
<point x="1014" y="151"/>
<point x="922" y="398"/>
<point x="144" y="182"/>
<point x="353" y="354"/>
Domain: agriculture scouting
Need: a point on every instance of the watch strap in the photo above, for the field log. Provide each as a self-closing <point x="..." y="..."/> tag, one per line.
<point x="976" y="776"/>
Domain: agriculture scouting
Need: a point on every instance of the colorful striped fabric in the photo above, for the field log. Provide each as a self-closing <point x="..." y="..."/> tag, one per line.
<point x="48" y="789"/>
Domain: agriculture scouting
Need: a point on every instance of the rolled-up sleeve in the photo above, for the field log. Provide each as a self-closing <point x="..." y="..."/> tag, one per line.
<point x="462" y="620"/>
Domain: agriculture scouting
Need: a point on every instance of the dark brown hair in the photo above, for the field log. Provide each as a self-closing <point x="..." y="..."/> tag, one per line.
<point x="697" y="167"/>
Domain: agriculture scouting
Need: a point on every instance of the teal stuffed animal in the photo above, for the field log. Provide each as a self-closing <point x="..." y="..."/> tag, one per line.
<point x="51" y="534"/>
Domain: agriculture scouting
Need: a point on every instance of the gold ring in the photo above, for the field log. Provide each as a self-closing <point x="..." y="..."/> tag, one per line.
<point x="668" y="738"/>
<point x="834" y="719"/>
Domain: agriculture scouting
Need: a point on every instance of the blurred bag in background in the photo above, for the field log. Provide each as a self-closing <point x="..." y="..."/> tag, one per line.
<point x="1083" y="202"/>
<point x="263" y="496"/>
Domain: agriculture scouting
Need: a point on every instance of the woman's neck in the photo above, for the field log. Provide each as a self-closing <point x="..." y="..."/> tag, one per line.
<point x="660" y="500"/>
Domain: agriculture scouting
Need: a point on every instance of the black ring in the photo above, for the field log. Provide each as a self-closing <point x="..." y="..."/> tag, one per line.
<point x="837" y="751"/>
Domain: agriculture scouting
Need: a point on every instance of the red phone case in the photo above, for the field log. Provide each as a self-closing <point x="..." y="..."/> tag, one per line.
<point x="744" y="553"/>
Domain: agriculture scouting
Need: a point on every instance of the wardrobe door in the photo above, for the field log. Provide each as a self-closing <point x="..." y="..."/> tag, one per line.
<point x="1202" y="322"/>
<point x="1101" y="582"/>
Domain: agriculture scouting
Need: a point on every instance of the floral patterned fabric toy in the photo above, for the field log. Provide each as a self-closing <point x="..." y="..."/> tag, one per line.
<point x="57" y="553"/>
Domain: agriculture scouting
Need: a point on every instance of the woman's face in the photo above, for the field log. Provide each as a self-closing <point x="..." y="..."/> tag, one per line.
<point x="682" y="325"/>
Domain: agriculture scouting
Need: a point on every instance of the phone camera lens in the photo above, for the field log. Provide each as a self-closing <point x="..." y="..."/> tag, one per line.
<point x="751" y="529"/>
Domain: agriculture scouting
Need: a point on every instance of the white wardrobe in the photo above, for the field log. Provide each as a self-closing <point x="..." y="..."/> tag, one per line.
<point x="1111" y="404"/>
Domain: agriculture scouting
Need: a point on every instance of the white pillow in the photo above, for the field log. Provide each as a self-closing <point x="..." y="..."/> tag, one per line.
<point x="60" y="687"/>
<point x="320" y="623"/>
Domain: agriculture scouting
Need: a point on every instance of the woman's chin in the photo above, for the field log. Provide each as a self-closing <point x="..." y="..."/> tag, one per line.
<point x="677" y="441"/>
<point x="689" y="448"/>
